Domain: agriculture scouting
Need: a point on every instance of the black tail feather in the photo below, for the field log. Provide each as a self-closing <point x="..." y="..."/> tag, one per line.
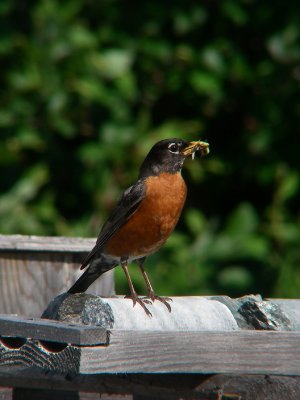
<point x="94" y="271"/>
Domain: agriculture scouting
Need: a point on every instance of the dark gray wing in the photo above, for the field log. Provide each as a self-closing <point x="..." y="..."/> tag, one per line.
<point x="125" y="207"/>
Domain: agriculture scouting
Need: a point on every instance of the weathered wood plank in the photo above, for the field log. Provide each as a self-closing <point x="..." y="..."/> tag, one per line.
<point x="243" y="352"/>
<point x="160" y="386"/>
<point x="250" y="387"/>
<point x="46" y="243"/>
<point x="53" y="331"/>
<point x="28" y="281"/>
<point x="35" y="269"/>
<point x="184" y="352"/>
<point x="64" y="360"/>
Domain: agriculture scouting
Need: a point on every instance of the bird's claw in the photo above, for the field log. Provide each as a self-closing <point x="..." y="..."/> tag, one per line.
<point x="164" y="300"/>
<point x="141" y="301"/>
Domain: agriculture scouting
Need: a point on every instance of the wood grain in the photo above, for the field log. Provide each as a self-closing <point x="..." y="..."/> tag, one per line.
<point x="34" y="354"/>
<point x="34" y="270"/>
<point x="243" y="352"/>
<point x="41" y="329"/>
<point x="46" y="243"/>
<point x="240" y="352"/>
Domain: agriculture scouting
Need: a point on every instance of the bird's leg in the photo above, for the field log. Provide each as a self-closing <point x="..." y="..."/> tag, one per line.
<point x="151" y="293"/>
<point x="134" y="296"/>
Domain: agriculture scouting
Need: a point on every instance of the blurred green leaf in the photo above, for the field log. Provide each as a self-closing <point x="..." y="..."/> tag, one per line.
<point x="289" y="185"/>
<point x="25" y="189"/>
<point x="213" y="60"/>
<point x="112" y="63"/>
<point x="243" y="221"/>
<point x="235" y="278"/>
<point x="234" y="11"/>
<point x="195" y="221"/>
<point x="284" y="46"/>
<point x="206" y="84"/>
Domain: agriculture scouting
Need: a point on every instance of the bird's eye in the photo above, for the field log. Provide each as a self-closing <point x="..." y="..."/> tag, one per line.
<point x="173" y="148"/>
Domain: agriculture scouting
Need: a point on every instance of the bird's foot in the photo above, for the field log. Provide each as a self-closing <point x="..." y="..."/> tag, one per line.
<point x="142" y="301"/>
<point x="164" y="300"/>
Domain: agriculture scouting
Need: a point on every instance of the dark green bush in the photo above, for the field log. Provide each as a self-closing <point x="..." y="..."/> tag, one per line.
<point x="86" y="89"/>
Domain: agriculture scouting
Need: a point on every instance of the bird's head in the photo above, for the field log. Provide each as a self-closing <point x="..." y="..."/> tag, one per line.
<point x="169" y="155"/>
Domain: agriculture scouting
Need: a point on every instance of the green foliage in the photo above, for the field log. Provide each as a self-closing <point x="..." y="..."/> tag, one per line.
<point x="88" y="87"/>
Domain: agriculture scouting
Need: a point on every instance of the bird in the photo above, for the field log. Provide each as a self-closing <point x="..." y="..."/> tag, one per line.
<point x="143" y="219"/>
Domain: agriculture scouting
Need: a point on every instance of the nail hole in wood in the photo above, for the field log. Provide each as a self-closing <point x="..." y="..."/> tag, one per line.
<point x="13" y="343"/>
<point x="53" y="347"/>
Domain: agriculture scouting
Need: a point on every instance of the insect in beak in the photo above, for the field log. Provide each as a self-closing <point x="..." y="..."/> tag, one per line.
<point x="193" y="147"/>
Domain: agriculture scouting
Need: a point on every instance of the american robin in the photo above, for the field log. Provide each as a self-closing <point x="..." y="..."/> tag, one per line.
<point x="144" y="217"/>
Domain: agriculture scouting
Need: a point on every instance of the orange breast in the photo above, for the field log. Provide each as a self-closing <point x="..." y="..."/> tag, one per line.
<point x="154" y="220"/>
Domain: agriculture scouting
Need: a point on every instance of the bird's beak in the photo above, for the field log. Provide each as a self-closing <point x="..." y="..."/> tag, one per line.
<point x="194" y="147"/>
